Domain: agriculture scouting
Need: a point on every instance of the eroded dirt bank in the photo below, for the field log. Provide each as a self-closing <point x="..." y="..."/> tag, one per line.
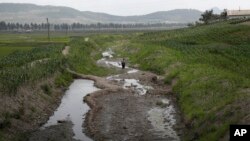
<point x="122" y="112"/>
<point x="60" y="132"/>
<point x="28" y="109"/>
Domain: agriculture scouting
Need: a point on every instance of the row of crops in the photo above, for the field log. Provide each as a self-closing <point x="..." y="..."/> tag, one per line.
<point x="22" y="67"/>
<point x="221" y="45"/>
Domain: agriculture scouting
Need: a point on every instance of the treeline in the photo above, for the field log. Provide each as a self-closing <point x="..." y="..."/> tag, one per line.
<point x="209" y="17"/>
<point x="7" y="26"/>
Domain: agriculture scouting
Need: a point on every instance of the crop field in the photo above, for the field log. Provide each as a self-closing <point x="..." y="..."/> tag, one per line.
<point x="10" y="42"/>
<point x="4" y="51"/>
<point x="28" y="57"/>
<point x="18" y="51"/>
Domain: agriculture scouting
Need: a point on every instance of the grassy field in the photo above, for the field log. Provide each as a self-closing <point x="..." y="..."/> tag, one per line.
<point x="19" y="50"/>
<point x="211" y="65"/>
<point x="4" y="51"/>
<point x="11" y="42"/>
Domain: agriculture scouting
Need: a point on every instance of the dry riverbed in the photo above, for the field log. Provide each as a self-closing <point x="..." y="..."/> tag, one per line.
<point x="125" y="114"/>
<point x="139" y="106"/>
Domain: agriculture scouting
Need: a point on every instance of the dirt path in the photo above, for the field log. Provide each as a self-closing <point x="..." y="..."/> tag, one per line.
<point x="65" y="52"/>
<point x="32" y="64"/>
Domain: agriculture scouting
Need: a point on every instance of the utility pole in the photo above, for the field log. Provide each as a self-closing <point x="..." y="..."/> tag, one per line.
<point x="67" y="29"/>
<point x="48" y="29"/>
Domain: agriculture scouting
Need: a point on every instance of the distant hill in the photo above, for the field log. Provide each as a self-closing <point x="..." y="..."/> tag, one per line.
<point x="217" y="10"/>
<point x="27" y="13"/>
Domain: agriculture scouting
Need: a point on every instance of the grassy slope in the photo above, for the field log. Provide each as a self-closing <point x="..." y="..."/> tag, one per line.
<point x="211" y="64"/>
<point x="84" y="54"/>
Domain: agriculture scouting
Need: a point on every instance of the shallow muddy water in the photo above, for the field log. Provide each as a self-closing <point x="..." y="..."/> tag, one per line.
<point x="73" y="108"/>
<point x="163" y="119"/>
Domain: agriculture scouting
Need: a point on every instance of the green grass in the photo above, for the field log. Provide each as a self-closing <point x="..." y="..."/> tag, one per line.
<point x="33" y="37"/>
<point x="83" y="56"/>
<point x="63" y="79"/>
<point x="211" y="64"/>
<point x="18" y="51"/>
<point x="4" y="51"/>
<point x="16" y="68"/>
<point x="11" y="42"/>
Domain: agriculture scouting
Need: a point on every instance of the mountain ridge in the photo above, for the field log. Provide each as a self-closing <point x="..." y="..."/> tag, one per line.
<point x="26" y="13"/>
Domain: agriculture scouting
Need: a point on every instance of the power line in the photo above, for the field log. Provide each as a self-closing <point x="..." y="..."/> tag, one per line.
<point x="48" y="29"/>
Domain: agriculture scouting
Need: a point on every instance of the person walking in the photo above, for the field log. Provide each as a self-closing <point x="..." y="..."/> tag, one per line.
<point x="123" y="63"/>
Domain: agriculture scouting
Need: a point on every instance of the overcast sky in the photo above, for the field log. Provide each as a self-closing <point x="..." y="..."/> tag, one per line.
<point x="138" y="7"/>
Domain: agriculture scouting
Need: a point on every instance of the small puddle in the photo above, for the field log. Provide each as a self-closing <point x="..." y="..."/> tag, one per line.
<point x="73" y="108"/>
<point x="131" y="84"/>
<point x="108" y="63"/>
<point x="127" y="83"/>
<point x="108" y="54"/>
<point x="135" y="85"/>
<point x="132" y="71"/>
<point x="163" y="119"/>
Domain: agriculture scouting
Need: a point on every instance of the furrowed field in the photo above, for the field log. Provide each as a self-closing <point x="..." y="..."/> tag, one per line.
<point x="20" y="55"/>
<point x="29" y="57"/>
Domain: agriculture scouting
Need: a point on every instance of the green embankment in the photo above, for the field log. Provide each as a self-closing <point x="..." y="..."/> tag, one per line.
<point x="83" y="56"/>
<point x="212" y="67"/>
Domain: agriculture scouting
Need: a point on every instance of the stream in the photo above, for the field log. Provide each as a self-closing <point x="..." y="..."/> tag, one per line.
<point x="73" y="108"/>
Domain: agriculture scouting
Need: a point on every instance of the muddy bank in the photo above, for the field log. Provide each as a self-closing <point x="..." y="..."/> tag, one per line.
<point x="99" y="82"/>
<point x="123" y="114"/>
<point x="60" y="132"/>
<point x="29" y="108"/>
